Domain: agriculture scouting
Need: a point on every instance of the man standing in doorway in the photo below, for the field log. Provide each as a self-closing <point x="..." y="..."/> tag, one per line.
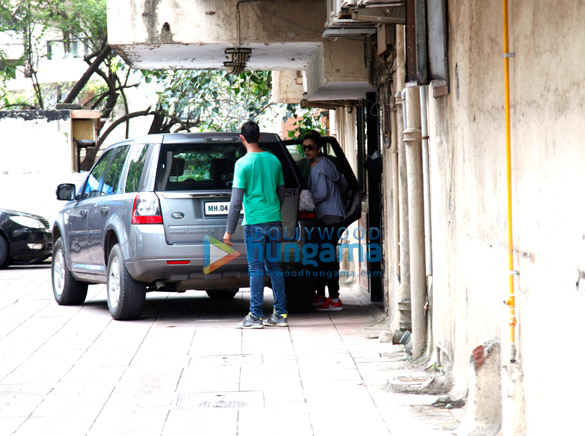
<point x="259" y="185"/>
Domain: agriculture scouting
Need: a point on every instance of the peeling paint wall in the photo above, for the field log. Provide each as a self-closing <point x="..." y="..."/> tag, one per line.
<point x="35" y="142"/>
<point x="209" y="21"/>
<point x="468" y="188"/>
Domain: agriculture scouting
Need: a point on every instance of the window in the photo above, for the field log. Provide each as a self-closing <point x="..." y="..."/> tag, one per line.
<point x="198" y="166"/>
<point x="63" y="49"/>
<point x="112" y="178"/>
<point x="92" y="183"/>
<point x="138" y="157"/>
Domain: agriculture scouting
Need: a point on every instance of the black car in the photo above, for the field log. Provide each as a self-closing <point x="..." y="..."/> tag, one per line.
<point x="24" y="238"/>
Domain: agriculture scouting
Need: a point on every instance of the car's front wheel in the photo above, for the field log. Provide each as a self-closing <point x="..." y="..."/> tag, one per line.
<point x="67" y="290"/>
<point x="126" y="296"/>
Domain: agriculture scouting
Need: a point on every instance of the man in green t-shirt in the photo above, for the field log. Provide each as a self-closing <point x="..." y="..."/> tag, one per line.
<point x="259" y="184"/>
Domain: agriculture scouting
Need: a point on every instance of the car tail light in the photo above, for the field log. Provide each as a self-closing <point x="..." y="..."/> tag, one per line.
<point x="178" y="262"/>
<point x="146" y="209"/>
<point x="306" y="215"/>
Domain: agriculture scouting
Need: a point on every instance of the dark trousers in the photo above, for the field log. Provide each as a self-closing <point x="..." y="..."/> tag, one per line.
<point x="327" y="237"/>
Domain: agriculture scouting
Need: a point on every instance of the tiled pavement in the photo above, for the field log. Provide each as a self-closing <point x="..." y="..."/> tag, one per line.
<point x="183" y="369"/>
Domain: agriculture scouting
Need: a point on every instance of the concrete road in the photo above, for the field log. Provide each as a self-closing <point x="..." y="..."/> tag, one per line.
<point x="183" y="369"/>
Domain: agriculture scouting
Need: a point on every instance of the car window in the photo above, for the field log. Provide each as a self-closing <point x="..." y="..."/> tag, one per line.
<point x="198" y="166"/>
<point x="92" y="183"/>
<point x="112" y="177"/>
<point x="138" y="157"/>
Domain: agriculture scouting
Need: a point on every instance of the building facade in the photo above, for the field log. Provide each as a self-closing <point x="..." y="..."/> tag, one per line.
<point x="477" y="198"/>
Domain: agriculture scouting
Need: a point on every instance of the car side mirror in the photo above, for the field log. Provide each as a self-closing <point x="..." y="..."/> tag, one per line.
<point x="66" y="191"/>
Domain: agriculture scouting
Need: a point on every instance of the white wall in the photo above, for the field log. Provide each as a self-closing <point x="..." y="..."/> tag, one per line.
<point x="468" y="187"/>
<point x="35" y="156"/>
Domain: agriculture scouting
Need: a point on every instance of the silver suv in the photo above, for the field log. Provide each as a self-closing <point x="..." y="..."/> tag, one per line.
<point x="151" y="216"/>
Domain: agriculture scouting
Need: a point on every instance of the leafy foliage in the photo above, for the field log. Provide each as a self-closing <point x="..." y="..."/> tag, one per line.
<point x="211" y="100"/>
<point x="79" y="19"/>
<point x="305" y="119"/>
<point x="28" y="21"/>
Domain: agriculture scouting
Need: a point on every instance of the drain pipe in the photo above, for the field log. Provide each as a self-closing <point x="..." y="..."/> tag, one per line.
<point x="405" y="321"/>
<point x="511" y="302"/>
<point x="413" y="145"/>
<point x="426" y="181"/>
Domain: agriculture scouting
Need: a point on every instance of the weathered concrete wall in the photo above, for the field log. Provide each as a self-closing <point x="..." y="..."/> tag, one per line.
<point x="287" y="87"/>
<point x="194" y="21"/>
<point x="468" y="188"/>
<point x="338" y="71"/>
<point x="195" y="33"/>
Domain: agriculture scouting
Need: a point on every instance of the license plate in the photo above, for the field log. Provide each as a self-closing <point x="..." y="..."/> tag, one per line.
<point x="217" y="207"/>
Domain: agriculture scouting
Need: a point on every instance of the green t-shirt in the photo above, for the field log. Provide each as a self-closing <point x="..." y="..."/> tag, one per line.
<point x="259" y="175"/>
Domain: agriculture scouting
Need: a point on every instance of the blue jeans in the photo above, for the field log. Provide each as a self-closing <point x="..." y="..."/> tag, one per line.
<point x="263" y="250"/>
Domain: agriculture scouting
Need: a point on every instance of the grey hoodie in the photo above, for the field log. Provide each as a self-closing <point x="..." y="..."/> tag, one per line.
<point x="327" y="184"/>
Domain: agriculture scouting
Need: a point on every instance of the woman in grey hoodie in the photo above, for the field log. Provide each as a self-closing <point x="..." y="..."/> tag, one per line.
<point x="327" y="185"/>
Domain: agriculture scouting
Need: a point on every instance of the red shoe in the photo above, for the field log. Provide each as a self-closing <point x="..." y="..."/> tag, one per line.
<point x="329" y="306"/>
<point x="318" y="300"/>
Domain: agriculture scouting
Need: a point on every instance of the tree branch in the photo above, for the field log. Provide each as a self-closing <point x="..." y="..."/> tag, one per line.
<point x="102" y="55"/>
<point x="119" y="121"/>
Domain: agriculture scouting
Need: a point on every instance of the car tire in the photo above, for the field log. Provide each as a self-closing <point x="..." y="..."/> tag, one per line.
<point x="3" y="252"/>
<point x="222" y="294"/>
<point x="298" y="294"/>
<point x="126" y="296"/>
<point x="66" y="290"/>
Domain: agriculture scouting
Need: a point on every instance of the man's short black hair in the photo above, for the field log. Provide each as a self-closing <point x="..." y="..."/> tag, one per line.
<point x="250" y="131"/>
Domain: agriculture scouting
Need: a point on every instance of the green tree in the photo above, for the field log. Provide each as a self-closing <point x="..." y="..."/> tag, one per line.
<point x="210" y="100"/>
<point x="305" y="119"/>
<point x="187" y="99"/>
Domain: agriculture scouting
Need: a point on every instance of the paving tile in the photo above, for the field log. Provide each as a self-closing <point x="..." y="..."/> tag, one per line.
<point x="291" y="419"/>
<point x="36" y="426"/>
<point x="10" y="424"/>
<point x="21" y="405"/>
<point x="72" y="405"/>
<point x="326" y="374"/>
<point x="129" y="424"/>
<point x="209" y="379"/>
<point x="202" y="422"/>
<point x="148" y="381"/>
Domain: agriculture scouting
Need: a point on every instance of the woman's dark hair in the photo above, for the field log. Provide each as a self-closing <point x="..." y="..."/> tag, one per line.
<point x="250" y="131"/>
<point x="314" y="136"/>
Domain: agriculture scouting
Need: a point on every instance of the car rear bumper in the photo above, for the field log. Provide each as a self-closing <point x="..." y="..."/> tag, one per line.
<point x="150" y="259"/>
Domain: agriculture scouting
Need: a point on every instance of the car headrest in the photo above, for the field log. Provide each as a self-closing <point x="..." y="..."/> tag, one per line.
<point x="177" y="167"/>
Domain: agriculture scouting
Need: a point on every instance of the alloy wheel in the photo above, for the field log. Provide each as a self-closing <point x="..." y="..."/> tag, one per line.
<point x="114" y="283"/>
<point x="59" y="273"/>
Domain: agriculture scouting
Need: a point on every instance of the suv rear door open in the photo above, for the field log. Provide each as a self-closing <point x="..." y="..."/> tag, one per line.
<point x="331" y="150"/>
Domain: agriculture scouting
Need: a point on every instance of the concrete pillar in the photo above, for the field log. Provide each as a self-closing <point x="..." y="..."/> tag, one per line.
<point x="418" y="288"/>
